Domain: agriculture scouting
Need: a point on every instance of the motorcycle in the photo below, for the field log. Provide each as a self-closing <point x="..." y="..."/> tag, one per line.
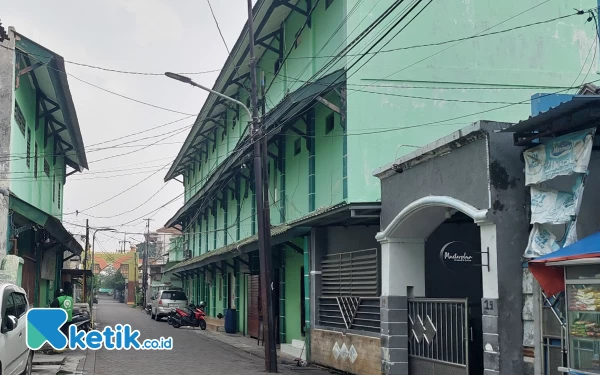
<point x="192" y="316"/>
<point x="81" y="320"/>
<point x="148" y="308"/>
<point x="170" y="317"/>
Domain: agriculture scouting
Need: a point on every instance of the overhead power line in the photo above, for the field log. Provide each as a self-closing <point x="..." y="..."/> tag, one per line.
<point x="218" y="27"/>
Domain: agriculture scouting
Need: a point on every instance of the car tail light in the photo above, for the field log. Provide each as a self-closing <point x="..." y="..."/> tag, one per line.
<point x="160" y="301"/>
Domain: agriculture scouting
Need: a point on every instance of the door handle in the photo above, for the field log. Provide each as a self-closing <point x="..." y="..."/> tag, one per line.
<point x="471" y="333"/>
<point x="20" y="334"/>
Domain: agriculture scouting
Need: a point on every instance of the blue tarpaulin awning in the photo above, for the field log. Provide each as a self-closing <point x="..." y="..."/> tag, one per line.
<point x="549" y="269"/>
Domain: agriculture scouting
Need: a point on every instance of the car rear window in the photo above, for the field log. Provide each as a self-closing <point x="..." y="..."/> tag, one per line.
<point x="176" y="296"/>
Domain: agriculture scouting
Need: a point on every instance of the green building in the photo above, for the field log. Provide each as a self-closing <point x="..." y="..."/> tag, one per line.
<point x="349" y="85"/>
<point x="40" y="146"/>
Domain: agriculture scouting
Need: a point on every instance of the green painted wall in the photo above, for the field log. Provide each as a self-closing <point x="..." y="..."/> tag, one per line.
<point x="43" y="191"/>
<point x="501" y="69"/>
<point x="293" y="323"/>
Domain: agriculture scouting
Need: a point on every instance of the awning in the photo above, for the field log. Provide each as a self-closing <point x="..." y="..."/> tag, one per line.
<point x="51" y="224"/>
<point x="76" y="272"/>
<point x="581" y="112"/>
<point x="549" y="269"/>
<point x="279" y="234"/>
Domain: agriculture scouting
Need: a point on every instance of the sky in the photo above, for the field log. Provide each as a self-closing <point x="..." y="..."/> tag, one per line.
<point x="134" y="35"/>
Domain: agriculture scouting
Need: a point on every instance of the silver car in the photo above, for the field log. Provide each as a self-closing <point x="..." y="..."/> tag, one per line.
<point x="166" y="300"/>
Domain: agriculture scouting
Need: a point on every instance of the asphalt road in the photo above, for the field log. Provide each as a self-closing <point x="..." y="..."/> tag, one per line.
<point x="191" y="353"/>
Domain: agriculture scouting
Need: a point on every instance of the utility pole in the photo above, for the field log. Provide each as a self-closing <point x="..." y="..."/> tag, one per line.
<point x="145" y="264"/>
<point x="263" y="213"/>
<point x="85" y="257"/>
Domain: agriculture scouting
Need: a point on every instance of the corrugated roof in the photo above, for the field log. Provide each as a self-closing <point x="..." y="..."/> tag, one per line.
<point x="560" y="113"/>
<point x="275" y="231"/>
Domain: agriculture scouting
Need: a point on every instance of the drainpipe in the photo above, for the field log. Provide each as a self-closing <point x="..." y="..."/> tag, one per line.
<point x="310" y="131"/>
<point x="307" y="296"/>
<point x="225" y="286"/>
<point x="282" y="297"/>
<point x="281" y="163"/>
<point x="214" y="292"/>
<point x="344" y="123"/>
<point x="236" y="272"/>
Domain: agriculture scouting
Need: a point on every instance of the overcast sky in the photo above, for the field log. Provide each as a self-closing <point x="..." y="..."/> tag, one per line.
<point x="134" y="35"/>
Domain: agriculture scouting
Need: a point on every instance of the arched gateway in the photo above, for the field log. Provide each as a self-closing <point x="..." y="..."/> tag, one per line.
<point x="433" y="254"/>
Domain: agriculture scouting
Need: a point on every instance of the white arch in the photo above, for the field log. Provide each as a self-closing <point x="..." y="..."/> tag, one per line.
<point x="426" y="214"/>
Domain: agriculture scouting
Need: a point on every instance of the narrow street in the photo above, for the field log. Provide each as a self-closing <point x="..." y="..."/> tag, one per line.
<point x="192" y="353"/>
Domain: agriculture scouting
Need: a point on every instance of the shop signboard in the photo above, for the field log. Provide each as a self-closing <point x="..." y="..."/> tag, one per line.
<point x="458" y="254"/>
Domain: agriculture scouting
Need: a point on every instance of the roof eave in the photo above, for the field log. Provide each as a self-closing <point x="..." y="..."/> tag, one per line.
<point x="218" y="86"/>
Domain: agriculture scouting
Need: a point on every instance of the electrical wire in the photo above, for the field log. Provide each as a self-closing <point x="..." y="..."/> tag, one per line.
<point x="218" y="27"/>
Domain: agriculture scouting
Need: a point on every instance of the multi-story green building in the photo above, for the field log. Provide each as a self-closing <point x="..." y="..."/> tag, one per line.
<point x="348" y="86"/>
<point x="40" y="142"/>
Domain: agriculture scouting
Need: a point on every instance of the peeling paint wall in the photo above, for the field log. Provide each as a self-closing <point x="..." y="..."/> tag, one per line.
<point x="7" y="79"/>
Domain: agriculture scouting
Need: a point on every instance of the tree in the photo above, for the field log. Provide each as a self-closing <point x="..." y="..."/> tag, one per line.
<point x="115" y="281"/>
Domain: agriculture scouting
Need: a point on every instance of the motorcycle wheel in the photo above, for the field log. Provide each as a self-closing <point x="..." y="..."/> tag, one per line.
<point x="176" y="325"/>
<point x="203" y="325"/>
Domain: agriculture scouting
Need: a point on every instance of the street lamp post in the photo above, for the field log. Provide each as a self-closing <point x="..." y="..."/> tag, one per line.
<point x="92" y="267"/>
<point x="262" y="201"/>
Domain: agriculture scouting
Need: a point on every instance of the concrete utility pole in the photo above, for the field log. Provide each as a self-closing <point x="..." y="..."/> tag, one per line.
<point x="85" y="258"/>
<point x="262" y="199"/>
<point x="263" y="212"/>
<point x="145" y="265"/>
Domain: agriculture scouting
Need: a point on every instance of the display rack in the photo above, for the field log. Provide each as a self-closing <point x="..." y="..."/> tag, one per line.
<point x="583" y="321"/>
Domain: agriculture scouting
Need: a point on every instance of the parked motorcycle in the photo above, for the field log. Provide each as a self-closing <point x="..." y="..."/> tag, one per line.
<point x="171" y="316"/>
<point x="191" y="316"/>
<point x="81" y="320"/>
<point x="148" y="308"/>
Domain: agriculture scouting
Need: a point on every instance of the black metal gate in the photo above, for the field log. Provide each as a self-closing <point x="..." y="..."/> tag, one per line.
<point x="439" y="336"/>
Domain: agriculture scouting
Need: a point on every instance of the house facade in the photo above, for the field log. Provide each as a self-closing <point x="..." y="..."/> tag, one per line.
<point x="40" y="146"/>
<point x="126" y="263"/>
<point x="339" y="98"/>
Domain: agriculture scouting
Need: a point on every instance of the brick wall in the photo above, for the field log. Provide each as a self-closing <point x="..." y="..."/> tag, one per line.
<point x="367" y="357"/>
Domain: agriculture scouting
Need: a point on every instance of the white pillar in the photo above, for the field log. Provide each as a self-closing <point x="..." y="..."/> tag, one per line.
<point x="403" y="267"/>
<point x="488" y="244"/>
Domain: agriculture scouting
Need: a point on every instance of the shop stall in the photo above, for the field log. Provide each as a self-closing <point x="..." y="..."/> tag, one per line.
<point x="575" y="270"/>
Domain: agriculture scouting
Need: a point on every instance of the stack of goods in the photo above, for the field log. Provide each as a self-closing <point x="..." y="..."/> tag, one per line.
<point x="582" y="328"/>
<point x="585" y="299"/>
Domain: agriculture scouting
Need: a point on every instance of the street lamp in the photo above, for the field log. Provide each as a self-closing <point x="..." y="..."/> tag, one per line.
<point x="184" y="79"/>
<point x="93" y="265"/>
<point x="262" y="197"/>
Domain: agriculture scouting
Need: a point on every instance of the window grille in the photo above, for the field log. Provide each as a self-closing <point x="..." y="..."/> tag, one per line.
<point x="46" y="167"/>
<point x="350" y="291"/>
<point x="19" y="118"/>
<point x="35" y="162"/>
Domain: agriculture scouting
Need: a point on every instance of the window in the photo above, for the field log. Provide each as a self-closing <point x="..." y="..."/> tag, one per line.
<point x="173" y="295"/>
<point x="54" y="188"/>
<point x="28" y="156"/>
<point x="19" y="118"/>
<point x="11" y="307"/>
<point x="20" y="303"/>
<point x="96" y="268"/>
<point x="124" y="269"/>
<point x="35" y="161"/>
<point x="297" y="146"/>
<point x="328" y="3"/>
<point x="329" y="124"/>
<point x="46" y="167"/>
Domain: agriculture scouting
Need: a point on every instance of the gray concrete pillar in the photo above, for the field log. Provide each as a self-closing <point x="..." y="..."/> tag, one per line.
<point x="7" y="84"/>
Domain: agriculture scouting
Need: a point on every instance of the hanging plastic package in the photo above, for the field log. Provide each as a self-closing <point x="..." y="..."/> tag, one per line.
<point x="561" y="156"/>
